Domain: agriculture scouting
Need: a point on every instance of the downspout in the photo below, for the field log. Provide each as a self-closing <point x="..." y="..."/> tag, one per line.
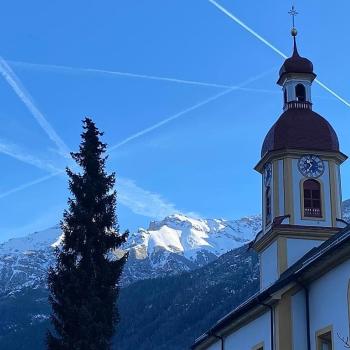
<point x="221" y="338"/>
<point x="272" y="339"/>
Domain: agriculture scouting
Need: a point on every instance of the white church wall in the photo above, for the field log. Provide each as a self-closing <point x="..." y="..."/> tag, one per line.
<point x="329" y="304"/>
<point x="268" y="265"/>
<point x="215" y="346"/>
<point x="299" y="325"/>
<point x="250" y="335"/>
<point x="297" y="178"/>
<point x="297" y="248"/>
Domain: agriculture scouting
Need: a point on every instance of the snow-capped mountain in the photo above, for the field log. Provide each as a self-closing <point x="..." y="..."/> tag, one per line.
<point x="170" y="246"/>
<point x="177" y="243"/>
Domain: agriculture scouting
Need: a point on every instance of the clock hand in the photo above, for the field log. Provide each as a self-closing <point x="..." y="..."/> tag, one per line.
<point x="310" y="165"/>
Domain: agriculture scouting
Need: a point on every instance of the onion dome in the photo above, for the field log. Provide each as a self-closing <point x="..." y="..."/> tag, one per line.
<point x="301" y="128"/>
<point x="296" y="63"/>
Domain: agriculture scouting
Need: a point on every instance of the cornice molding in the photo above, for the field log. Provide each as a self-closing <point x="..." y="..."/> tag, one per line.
<point x="338" y="157"/>
<point x="296" y="232"/>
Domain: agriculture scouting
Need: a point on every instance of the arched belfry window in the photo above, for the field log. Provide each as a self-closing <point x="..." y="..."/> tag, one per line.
<point x="268" y="213"/>
<point x="300" y="93"/>
<point x="312" y="199"/>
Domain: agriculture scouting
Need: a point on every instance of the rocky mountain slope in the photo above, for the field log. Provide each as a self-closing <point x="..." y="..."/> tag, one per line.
<point x="176" y="244"/>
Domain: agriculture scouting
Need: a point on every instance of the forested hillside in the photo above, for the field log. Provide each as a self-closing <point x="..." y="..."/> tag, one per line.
<point x="156" y="314"/>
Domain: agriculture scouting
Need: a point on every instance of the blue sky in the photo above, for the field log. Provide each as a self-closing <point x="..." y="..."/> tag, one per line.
<point x="182" y="147"/>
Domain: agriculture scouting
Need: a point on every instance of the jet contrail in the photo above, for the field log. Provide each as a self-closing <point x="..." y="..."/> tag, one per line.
<point x="187" y="110"/>
<point x="116" y="73"/>
<point x="341" y="99"/>
<point x="30" y="184"/>
<point x="15" y="83"/>
<point x="74" y="70"/>
<point x="143" y="132"/>
<point x="274" y="48"/>
<point x="15" y="152"/>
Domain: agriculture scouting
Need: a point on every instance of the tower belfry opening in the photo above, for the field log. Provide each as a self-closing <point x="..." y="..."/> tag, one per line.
<point x="300" y="93"/>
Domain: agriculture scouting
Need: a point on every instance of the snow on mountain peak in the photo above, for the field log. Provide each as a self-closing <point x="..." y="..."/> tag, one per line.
<point x="35" y="241"/>
<point x="187" y="236"/>
<point x="176" y="243"/>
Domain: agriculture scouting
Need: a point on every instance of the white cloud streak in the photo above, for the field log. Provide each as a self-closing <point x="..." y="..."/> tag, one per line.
<point x="30" y="184"/>
<point x="187" y="110"/>
<point x="272" y="47"/>
<point x="137" y="199"/>
<point x="24" y="96"/>
<point x="15" y="152"/>
<point x="143" y="202"/>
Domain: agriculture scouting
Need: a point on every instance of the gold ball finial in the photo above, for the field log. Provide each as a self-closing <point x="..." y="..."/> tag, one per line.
<point x="294" y="32"/>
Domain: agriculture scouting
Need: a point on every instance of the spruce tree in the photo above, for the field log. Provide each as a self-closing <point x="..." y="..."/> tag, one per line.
<point x="84" y="282"/>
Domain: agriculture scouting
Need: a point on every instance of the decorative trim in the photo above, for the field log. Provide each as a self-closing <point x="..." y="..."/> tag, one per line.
<point x="294" y="231"/>
<point x="297" y="104"/>
<point x="288" y="189"/>
<point x="275" y="179"/>
<point x="338" y="157"/>
<point x="308" y="77"/>
<point x="283" y="325"/>
<point x="263" y="205"/>
<point x="260" y="346"/>
<point x="319" y="333"/>
<point x="260" y="272"/>
<point x="323" y="199"/>
<point x="282" y="261"/>
<point x="333" y="193"/>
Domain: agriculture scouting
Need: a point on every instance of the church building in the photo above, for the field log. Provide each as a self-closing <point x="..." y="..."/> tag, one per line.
<point x="304" y="245"/>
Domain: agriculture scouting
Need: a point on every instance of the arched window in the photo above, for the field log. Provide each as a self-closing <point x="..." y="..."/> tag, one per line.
<point x="300" y="93"/>
<point x="268" y="205"/>
<point x="312" y="199"/>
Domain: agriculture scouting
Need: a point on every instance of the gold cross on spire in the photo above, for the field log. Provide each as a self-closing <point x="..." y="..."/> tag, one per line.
<point x="293" y="13"/>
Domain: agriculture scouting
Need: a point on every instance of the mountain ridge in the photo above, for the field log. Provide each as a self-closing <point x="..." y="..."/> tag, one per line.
<point x="175" y="244"/>
<point x="159" y="313"/>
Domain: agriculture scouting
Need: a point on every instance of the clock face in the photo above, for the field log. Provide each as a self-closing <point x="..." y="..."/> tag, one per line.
<point x="267" y="174"/>
<point x="311" y="166"/>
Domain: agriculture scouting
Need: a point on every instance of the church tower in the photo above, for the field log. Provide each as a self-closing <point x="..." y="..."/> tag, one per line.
<point x="300" y="168"/>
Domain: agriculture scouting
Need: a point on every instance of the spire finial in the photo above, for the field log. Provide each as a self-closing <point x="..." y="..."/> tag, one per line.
<point x="293" y="13"/>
